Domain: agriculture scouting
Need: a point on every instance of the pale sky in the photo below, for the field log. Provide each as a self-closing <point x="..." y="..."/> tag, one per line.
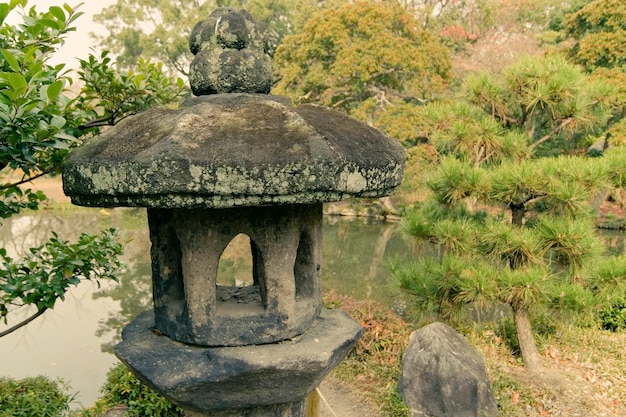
<point x="77" y="43"/>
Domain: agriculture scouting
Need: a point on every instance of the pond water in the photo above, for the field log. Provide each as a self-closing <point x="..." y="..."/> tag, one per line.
<point x="75" y="340"/>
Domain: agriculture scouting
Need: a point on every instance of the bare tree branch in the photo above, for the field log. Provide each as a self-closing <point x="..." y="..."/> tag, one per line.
<point x="26" y="179"/>
<point x="23" y="323"/>
<point x="553" y="132"/>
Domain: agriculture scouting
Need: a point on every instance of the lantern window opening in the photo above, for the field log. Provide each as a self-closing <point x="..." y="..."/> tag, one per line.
<point x="237" y="282"/>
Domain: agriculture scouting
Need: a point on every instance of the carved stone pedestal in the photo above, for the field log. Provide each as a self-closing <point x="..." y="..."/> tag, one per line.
<point x="228" y="381"/>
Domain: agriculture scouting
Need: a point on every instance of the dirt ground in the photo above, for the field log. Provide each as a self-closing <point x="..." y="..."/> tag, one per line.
<point x="338" y="401"/>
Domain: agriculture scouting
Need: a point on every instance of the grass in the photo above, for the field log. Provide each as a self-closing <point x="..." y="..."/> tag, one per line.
<point x="584" y="375"/>
<point x="374" y="366"/>
<point x="584" y="368"/>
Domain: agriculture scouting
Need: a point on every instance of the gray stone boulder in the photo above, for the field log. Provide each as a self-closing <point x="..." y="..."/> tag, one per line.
<point x="443" y="376"/>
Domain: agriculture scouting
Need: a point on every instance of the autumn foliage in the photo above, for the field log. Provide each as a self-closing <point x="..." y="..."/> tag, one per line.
<point x="349" y="56"/>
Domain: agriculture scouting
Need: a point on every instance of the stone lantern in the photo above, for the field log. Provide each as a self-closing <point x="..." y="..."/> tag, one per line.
<point x="228" y="163"/>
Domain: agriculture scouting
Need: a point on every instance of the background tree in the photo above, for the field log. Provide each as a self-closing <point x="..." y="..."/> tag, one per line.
<point x="458" y="23"/>
<point x="537" y="106"/>
<point x="550" y="99"/>
<point x="599" y="34"/>
<point x="466" y="22"/>
<point x="599" y="37"/>
<point x="361" y="58"/>
<point x="530" y="248"/>
<point x="535" y="247"/>
<point x="160" y="29"/>
<point x="41" y="123"/>
<point x="152" y="29"/>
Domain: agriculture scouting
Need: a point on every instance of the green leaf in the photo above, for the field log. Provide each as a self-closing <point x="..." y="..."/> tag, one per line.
<point x="15" y="66"/>
<point x="15" y="3"/>
<point x="74" y="17"/>
<point x="50" y="23"/>
<point x="54" y="89"/>
<point x="43" y="93"/>
<point x="17" y="81"/>
<point x="57" y="145"/>
<point x="58" y="121"/>
<point x="4" y="12"/>
<point x="65" y="136"/>
<point x="58" y="13"/>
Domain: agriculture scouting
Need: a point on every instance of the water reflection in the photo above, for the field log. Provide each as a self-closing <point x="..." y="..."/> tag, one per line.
<point x="354" y="253"/>
<point x="75" y="340"/>
<point x="64" y="342"/>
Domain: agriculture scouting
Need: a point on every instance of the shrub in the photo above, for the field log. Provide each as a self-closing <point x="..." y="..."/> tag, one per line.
<point x="34" y="396"/>
<point x="613" y="318"/>
<point x="122" y="388"/>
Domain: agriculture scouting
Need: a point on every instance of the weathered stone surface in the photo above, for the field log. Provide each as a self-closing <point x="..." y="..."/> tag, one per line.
<point x="443" y="376"/>
<point x="212" y="379"/>
<point x="119" y="411"/>
<point x="228" y="28"/>
<point x="229" y="49"/>
<point x="286" y="254"/>
<point x="215" y="71"/>
<point x="276" y="410"/>
<point x="230" y="150"/>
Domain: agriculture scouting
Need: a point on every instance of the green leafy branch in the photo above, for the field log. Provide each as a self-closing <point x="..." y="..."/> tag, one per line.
<point x="111" y="96"/>
<point x="48" y="271"/>
<point x="40" y="122"/>
<point x="37" y="119"/>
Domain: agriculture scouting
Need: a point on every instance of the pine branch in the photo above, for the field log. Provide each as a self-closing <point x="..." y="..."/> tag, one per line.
<point x="553" y="132"/>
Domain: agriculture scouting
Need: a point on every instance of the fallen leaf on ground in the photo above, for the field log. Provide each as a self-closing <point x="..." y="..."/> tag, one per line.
<point x="589" y="376"/>
<point x="515" y="397"/>
<point x="543" y="412"/>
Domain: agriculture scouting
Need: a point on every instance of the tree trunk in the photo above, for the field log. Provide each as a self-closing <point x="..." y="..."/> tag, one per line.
<point x="527" y="344"/>
<point x="517" y="214"/>
<point x="378" y="257"/>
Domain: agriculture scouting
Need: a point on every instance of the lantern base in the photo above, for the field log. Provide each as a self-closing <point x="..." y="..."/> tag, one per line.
<point x="231" y="379"/>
